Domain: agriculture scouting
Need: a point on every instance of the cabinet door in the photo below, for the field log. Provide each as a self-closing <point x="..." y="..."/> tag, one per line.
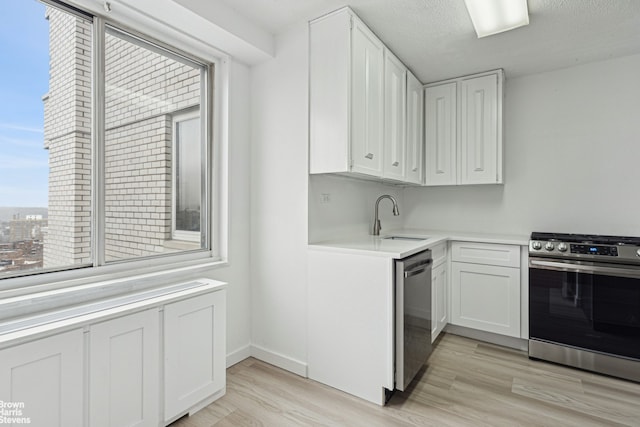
<point x="479" y="130"/>
<point x="486" y="297"/>
<point x="439" y="300"/>
<point x="194" y="350"/>
<point x="413" y="164"/>
<point x="124" y="371"/>
<point x="367" y="112"/>
<point x="395" y="101"/>
<point x="44" y="378"/>
<point x="440" y="135"/>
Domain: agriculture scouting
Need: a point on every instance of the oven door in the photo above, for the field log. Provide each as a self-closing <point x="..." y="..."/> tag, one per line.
<point x="589" y="305"/>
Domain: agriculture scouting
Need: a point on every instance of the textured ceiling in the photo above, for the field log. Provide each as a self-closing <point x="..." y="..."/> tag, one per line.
<point x="436" y="40"/>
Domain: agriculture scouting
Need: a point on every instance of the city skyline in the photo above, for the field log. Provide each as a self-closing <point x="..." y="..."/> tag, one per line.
<point x="24" y="61"/>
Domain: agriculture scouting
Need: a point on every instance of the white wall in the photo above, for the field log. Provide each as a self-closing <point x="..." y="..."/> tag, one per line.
<point x="238" y="273"/>
<point x="572" y="159"/>
<point x="285" y="204"/>
<point x="350" y="209"/>
<point x="279" y="129"/>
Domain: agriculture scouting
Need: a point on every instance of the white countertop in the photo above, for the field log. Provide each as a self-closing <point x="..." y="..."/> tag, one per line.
<point x="379" y="246"/>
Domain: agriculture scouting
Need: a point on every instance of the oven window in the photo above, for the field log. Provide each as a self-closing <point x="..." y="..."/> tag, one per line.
<point x="595" y="312"/>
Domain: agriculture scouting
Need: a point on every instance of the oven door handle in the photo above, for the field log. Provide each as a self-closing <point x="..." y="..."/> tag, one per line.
<point x="580" y="267"/>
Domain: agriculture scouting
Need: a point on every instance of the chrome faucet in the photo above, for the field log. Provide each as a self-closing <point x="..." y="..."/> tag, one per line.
<point x="376" y="221"/>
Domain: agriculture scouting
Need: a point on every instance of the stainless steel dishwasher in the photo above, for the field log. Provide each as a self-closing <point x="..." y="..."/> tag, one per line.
<point x="413" y="315"/>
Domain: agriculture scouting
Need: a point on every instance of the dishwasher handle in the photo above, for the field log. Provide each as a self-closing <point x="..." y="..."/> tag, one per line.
<point x="418" y="268"/>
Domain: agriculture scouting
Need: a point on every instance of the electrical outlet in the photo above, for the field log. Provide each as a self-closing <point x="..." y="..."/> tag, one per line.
<point x="325" y="198"/>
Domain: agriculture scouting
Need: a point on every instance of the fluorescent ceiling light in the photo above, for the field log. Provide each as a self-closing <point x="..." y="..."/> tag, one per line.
<point x="495" y="16"/>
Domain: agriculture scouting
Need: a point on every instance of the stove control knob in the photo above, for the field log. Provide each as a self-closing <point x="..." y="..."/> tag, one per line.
<point x="549" y="246"/>
<point x="562" y="247"/>
<point x="537" y="246"/>
<point x="638" y="252"/>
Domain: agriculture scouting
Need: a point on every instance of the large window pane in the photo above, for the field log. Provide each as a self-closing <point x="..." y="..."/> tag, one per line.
<point x="153" y="157"/>
<point x="45" y="138"/>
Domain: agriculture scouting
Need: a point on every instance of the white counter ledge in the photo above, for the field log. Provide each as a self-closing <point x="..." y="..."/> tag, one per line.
<point x="16" y="330"/>
<point x="379" y="246"/>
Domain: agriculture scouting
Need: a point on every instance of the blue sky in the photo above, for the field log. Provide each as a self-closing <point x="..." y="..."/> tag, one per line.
<point x="24" y="78"/>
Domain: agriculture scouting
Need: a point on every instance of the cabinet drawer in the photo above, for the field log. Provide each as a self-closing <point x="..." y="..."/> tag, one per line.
<point x="486" y="253"/>
<point x="439" y="253"/>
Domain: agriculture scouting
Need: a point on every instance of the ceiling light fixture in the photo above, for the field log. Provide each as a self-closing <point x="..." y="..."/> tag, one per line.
<point x="495" y="16"/>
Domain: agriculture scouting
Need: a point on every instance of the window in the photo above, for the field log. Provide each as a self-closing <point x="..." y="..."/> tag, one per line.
<point x="114" y="168"/>
<point x="153" y="151"/>
<point x="187" y="177"/>
<point x="45" y="138"/>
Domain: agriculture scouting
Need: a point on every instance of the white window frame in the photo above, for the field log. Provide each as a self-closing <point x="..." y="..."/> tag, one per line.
<point x="216" y="183"/>
<point x="189" y="236"/>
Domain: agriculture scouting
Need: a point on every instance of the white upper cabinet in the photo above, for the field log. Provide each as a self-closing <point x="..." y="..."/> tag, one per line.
<point x="357" y="103"/>
<point x="440" y="134"/>
<point x="367" y="108"/>
<point x="480" y="148"/>
<point x="413" y="163"/>
<point x="463" y="130"/>
<point x="395" y="113"/>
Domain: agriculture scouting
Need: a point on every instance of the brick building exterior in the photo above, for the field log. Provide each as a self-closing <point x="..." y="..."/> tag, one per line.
<point x="145" y="90"/>
<point x="67" y="136"/>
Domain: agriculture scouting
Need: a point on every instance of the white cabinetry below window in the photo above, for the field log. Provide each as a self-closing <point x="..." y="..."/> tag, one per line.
<point x="485" y="287"/>
<point x="463" y="130"/>
<point x="47" y="377"/>
<point x="194" y="352"/>
<point x="124" y="386"/>
<point x="108" y="371"/>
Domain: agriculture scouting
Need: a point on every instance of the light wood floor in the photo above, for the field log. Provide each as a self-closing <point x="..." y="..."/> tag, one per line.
<point x="465" y="383"/>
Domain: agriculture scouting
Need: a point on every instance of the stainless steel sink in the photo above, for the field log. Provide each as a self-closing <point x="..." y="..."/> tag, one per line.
<point x="404" y="238"/>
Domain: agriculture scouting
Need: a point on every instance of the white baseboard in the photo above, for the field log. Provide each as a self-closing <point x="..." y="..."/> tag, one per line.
<point x="279" y="360"/>
<point x="239" y="355"/>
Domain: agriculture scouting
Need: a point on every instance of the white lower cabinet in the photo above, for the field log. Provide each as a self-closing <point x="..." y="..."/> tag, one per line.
<point x="439" y="290"/>
<point x="124" y="386"/>
<point x="43" y="380"/>
<point x="194" y="352"/>
<point x="485" y="293"/>
<point x="439" y="300"/>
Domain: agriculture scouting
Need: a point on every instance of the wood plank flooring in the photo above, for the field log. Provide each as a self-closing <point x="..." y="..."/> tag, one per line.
<point x="465" y="383"/>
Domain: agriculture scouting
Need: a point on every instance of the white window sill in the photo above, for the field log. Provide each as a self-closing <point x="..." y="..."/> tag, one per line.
<point x="35" y="326"/>
<point x="88" y="285"/>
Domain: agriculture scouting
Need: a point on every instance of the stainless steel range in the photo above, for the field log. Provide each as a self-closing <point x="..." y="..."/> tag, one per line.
<point x="584" y="302"/>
